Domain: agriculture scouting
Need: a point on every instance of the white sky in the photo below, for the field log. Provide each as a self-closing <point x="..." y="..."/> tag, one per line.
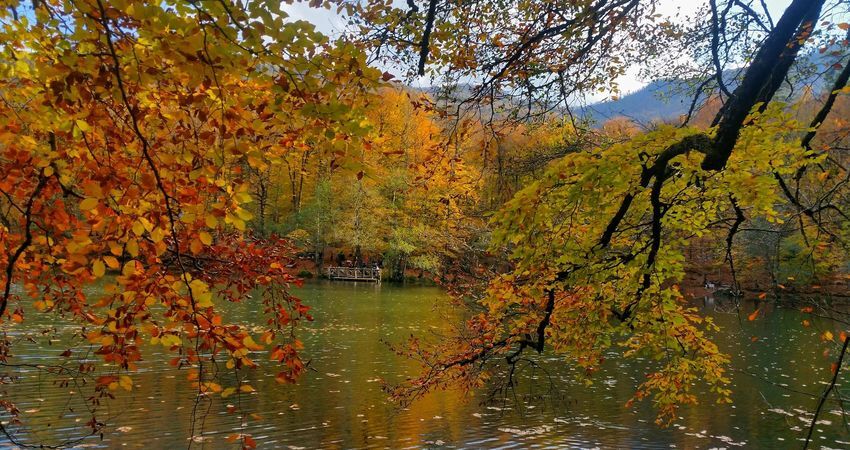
<point x="331" y="23"/>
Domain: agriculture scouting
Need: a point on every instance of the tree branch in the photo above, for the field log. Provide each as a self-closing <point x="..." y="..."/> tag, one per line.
<point x="424" y="44"/>
<point x="826" y="393"/>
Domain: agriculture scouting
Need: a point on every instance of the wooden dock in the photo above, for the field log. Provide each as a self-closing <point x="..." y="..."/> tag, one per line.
<point x="355" y="274"/>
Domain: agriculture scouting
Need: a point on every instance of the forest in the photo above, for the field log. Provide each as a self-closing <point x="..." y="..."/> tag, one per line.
<point x="179" y="179"/>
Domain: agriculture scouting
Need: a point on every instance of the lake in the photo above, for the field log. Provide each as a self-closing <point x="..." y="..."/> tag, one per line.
<point x="778" y="370"/>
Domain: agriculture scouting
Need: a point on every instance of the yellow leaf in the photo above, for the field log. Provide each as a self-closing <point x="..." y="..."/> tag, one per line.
<point x="157" y="234"/>
<point x="169" y="340"/>
<point x="244" y="214"/>
<point x="88" y="204"/>
<point x="204" y="300"/>
<point x="243" y="197"/>
<point x="246" y="388"/>
<point x="211" y="220"/>
<point x="138" y="228"/>
<point x="228" y="392"/>
<point x="249" y="342"/>
<point x="129" y="268"/>
<point x="82" y="125"/>
<point x="98" y="268"/>
<point x="205" y="237"/>
<point x="125" y="382"/>
<point x="133" y="248"/>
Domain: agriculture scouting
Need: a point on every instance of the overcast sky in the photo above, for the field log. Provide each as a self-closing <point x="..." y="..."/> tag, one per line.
<point x="330" y="23"/>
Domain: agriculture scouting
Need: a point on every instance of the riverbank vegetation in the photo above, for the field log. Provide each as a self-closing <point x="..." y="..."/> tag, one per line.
<point x="190" y="154"/>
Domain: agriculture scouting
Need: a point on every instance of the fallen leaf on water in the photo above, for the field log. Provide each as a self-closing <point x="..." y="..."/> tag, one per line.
<point x="754" y="315"/>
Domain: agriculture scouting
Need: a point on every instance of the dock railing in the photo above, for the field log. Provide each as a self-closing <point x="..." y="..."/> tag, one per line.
<point x="355" y="273"/>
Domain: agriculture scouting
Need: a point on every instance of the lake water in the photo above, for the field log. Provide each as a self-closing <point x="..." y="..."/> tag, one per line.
<point x="778" y="370"/>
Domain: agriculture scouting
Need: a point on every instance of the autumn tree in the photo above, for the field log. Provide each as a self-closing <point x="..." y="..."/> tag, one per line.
<point x="594" y="248"/>
<point x="425" y="182"/>
<point x="127" y="134"/>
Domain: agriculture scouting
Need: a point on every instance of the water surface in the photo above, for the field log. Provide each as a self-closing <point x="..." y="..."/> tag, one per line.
<point x="778" y="369"/>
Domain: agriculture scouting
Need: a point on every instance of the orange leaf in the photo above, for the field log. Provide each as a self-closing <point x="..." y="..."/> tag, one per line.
<point x="196" y="246"/>
<point x="754" y="315"/>
<point x="111" y="261"/>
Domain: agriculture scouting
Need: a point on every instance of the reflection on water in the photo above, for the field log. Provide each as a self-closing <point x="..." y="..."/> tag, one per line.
<point x="778" y="368"/>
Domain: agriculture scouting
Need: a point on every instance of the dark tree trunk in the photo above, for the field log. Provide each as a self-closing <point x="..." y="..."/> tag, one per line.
<point x="763" y="77"/>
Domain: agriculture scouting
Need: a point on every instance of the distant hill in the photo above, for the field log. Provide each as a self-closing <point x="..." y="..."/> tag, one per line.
<point x="668" y="99"/>
<point x="658" y="100"/>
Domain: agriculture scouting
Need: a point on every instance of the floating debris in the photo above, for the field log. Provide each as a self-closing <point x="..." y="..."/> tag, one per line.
<point x="527" y="431"/>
